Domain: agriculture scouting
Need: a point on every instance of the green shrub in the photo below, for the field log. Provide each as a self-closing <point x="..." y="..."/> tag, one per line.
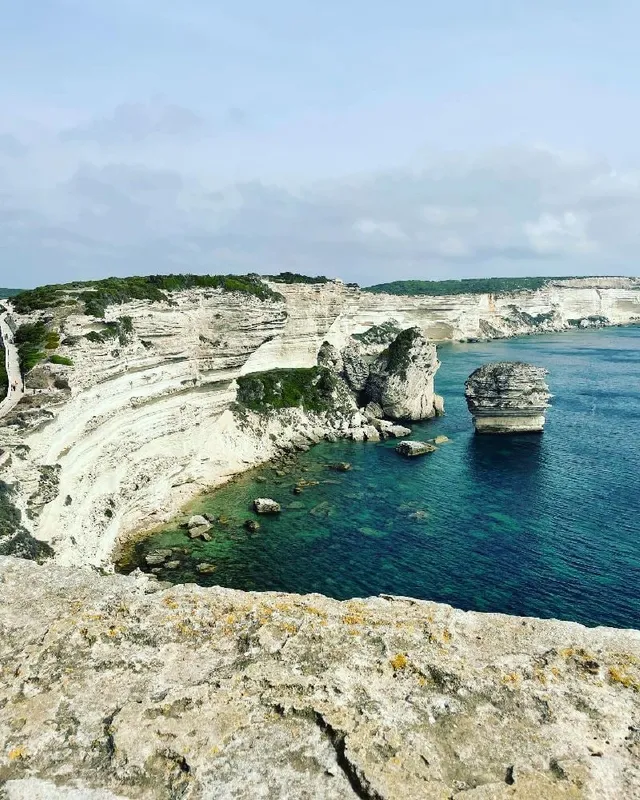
<point x="397" y="353"/>
<point x="98" y="295"/>
<point x="94" y="336"/>
<point x="294" y="277"/>
<point x="379" y="334"/>
<point x="52" y="341"/>
<point x="310" y="388"/>
<point x="31" y="340"/>
<point x="462" y="286"/>
<point x="62" y="360"/>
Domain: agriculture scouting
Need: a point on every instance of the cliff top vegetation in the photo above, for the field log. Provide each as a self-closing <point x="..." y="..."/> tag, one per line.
<point x="461" y="286"/>
<point x="98" y="295"/>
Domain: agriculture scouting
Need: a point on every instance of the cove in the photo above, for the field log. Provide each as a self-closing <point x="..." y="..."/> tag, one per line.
<point x="538" y="525"/>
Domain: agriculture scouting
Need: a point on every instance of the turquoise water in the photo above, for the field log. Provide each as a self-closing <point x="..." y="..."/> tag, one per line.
<point x="537" y="525"/>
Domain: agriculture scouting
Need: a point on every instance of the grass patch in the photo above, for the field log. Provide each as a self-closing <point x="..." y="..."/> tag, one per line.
<point x="310" y="388"/>
<point x="62" y="360"/>
<point x="462" y="286"/>
<point x="98" y="295"/>
<point x="52" y="341"/>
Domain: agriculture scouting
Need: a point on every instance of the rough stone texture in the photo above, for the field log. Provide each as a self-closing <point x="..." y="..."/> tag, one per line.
<point x="402" y="377"/>
<point x="355" y="368"/>
<point x="213" y="694"/>
<point x="412" y="449"/>
<point x="265" y="505"/>
<point x="507" y="397"/>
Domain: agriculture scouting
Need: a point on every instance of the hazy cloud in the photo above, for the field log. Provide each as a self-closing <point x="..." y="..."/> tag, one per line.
<point x="123" y="206"/>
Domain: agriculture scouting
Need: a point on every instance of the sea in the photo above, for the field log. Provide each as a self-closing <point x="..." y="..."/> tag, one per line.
<point x="544" y="525"/>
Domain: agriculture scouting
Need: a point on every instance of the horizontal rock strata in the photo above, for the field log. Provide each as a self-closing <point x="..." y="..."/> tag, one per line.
<point x="112" y="689"/>
<point x="508" y="397"/>
<point x="133" y="429"/>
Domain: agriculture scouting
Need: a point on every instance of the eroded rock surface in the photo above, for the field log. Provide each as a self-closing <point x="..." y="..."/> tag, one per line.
<point x="402" y="378"/>
<point x="109" y="690"/>
<point x="508" y="397"/>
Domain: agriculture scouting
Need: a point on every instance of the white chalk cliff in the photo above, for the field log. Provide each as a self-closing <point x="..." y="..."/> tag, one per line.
<point x="147" y="424"/>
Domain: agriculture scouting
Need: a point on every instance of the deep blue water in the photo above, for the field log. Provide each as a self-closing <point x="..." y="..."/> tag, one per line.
<point x="543" y="525"/>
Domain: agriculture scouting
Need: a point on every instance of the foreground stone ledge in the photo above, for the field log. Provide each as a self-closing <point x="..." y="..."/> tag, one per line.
<point x="112" y="687"/>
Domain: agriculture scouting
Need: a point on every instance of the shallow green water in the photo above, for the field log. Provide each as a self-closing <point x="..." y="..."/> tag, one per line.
<point x="539" y="525"/>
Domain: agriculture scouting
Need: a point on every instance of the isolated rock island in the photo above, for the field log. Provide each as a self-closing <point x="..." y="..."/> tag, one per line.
<point x="508" y="397"/>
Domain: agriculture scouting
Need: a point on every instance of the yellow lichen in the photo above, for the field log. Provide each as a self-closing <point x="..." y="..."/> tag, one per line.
<point x="399" y="662"/>
<point x="17" y="753"/>
<point x="353" y="619"/>
<point x="617" y="675"/>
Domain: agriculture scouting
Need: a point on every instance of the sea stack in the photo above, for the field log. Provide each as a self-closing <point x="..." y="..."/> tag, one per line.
<point x="508" y="397"/>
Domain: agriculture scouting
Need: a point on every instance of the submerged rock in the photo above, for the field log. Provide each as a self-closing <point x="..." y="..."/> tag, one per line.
<point x="411" y="449"/>
<point x="197" y="521"/>
<point x="401" y="381"/>
<point x="157" y="557"/>
<point x="200" y="532"/>
<point x="252" y="525"/>
<point x="508" y="397"/>
<point x="205" y="569"/>
<point x="340" y="466"/>
<point x="265" y="505"/>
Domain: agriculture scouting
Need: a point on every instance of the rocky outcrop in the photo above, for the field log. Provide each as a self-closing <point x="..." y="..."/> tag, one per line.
<point x="113" y="687"/>
<point x="508" y="397"/>
<point x="265" y="505"/>
<point x="413" y="449"/>
<point x="402" y="378"/>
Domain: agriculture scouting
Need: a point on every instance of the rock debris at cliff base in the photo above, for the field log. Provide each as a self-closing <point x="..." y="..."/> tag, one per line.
<point x="115" y="686"/>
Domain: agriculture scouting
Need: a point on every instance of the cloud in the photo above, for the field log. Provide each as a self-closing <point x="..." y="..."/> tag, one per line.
<point x="105" y="200"/>
<point x="135" y="122"/>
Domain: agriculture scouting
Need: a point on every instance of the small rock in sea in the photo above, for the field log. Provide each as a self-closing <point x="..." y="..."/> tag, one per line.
<point x="412" y="449"/>
<point x="222" y="520"/>
<point x="419" y="515"/>
<point x="200" y="532"/>
<point x="265" y="505"/>
<point x="197" y="521"/>
<point x="324" y="509"/>
<point x="280" y="473"/>
<point x="397" y="431"/>
<point x="157" y="557"/>
<point x="296" y="505"/>
<point x="340" y="466"/>
<point x="252" y="525"/>
<point x="205" y="569"/>
<point x="441" y="439"/>
<point x="331" y="437"/>
<point x="261" y="479"/>
<point x="172" y="565"/>
<point x="297" y="489"/>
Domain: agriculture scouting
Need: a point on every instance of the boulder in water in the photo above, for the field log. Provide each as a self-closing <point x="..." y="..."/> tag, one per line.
<point x="197" y="521"/>
<point x="508" y="397"/>
<point x="412" y="449"/>
<point x="265" y="505"/>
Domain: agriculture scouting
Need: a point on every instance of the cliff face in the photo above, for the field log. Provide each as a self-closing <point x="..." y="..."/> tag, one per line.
<point x="114" y="689"/>
<point x="141" y="422"/>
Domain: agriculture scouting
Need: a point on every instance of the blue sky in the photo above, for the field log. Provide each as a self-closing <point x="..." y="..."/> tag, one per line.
<point x="368" y="140"/>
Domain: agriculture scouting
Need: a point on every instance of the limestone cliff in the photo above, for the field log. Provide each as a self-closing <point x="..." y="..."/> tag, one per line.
<point x="507" y="397"/>
<point x="140" y="421"/>
<point x="113" y="689"/>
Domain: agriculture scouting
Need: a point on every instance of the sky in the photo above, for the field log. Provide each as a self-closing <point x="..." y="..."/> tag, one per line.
<point x="372" y="141"/>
